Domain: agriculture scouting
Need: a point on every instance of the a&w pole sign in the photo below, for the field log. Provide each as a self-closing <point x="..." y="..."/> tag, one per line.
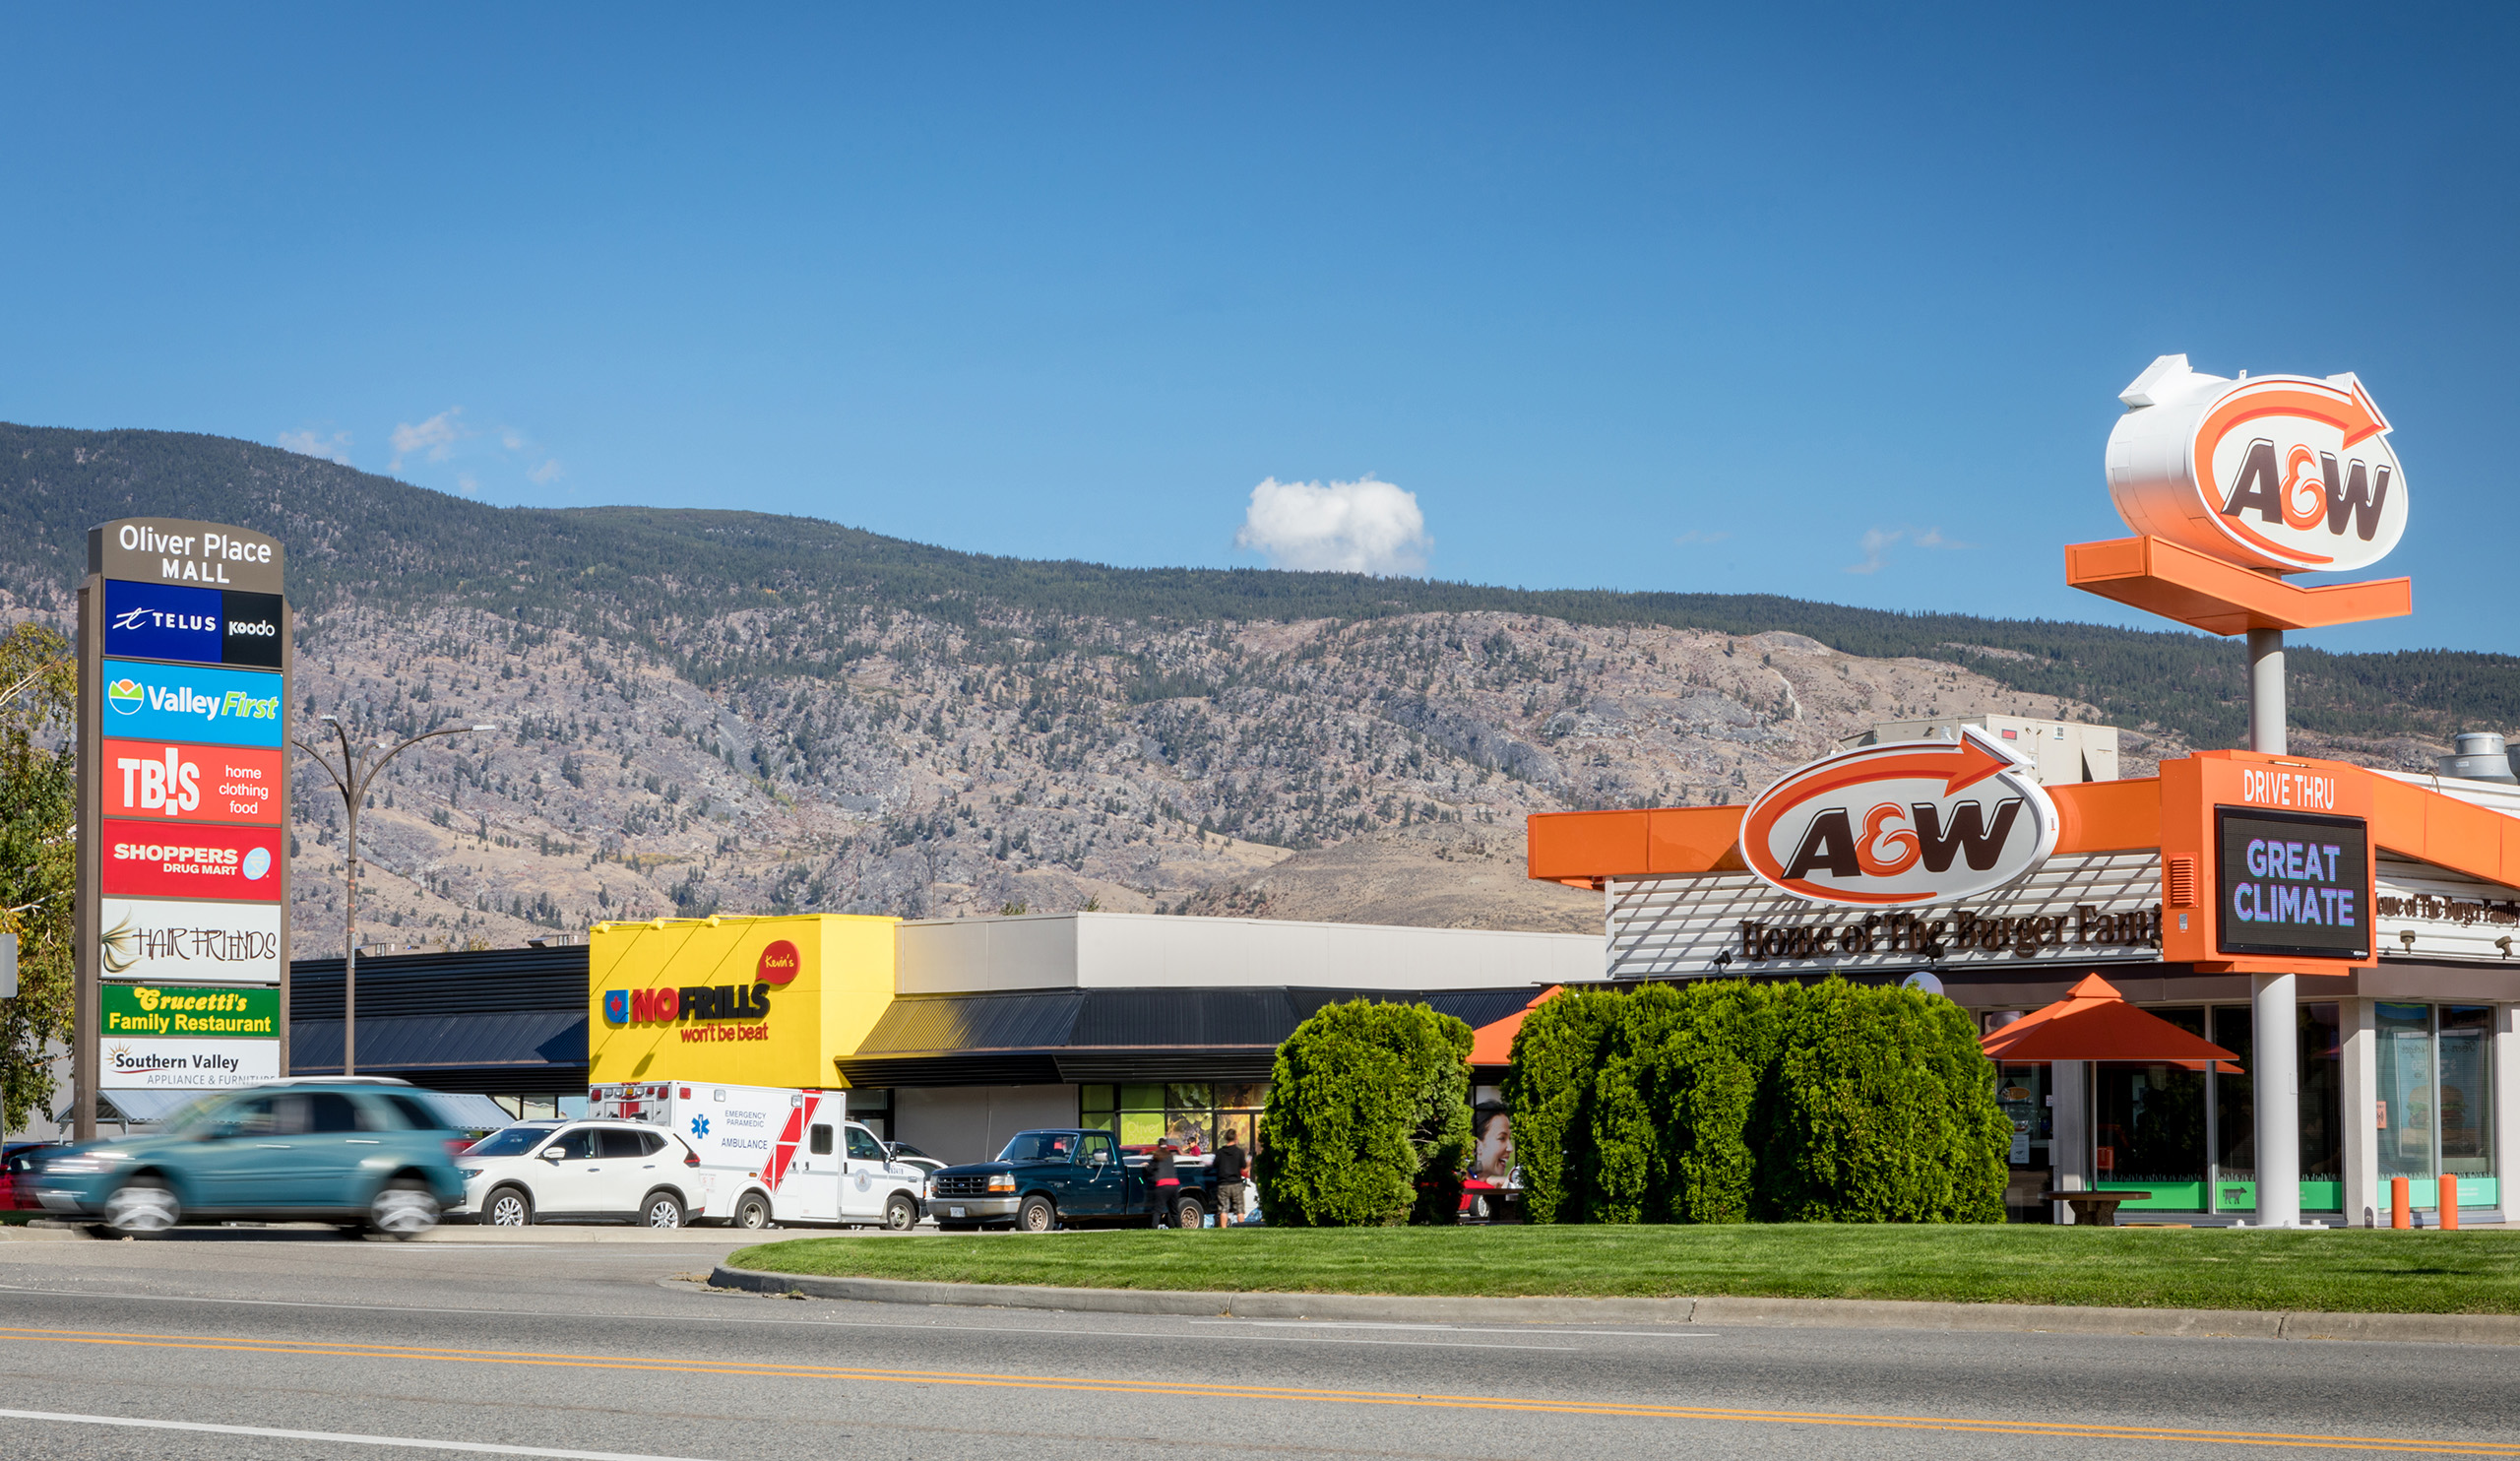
<point x="1901" y="825"/>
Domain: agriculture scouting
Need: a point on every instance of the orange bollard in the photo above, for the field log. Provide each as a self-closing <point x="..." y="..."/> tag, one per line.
<point x="2400" y="1204"/>
<point x="2449" y="1202"/>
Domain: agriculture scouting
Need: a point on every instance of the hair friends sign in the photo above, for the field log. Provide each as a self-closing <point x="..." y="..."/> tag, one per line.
<point x="2287" y="472"/>
<point x="1901" y="825"/>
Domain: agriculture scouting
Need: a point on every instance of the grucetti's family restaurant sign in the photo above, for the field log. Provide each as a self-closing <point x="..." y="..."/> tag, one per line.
<point x="2287" y="472"/>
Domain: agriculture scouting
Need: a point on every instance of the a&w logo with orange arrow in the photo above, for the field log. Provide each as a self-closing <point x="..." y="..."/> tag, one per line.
<point x="2287" y="473"/>
<point x="1900" y="825"/>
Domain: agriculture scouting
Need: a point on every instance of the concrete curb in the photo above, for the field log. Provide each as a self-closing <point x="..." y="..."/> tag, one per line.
<point x="1803" y="1313"/>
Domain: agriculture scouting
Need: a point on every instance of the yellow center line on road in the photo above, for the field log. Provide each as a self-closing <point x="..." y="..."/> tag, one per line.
<point x="1177" y="1389"/>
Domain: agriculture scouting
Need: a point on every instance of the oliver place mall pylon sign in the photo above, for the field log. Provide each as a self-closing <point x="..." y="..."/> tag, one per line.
<point x="182" y="940"/>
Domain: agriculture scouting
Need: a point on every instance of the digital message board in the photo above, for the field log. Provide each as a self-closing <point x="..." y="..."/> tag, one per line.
<point x="2292" y="883"/>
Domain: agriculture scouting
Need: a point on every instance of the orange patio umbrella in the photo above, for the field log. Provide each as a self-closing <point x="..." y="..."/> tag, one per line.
<point x="2093" y="1022"/>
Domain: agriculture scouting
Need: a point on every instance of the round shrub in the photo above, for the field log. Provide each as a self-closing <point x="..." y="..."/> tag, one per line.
<point x="1364" y="1100"/>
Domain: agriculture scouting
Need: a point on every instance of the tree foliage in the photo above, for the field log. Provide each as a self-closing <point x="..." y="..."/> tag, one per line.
<point x="1365" y="1099"/>
<point x="1728" y="1102"/>
<point x="38" y="830"/>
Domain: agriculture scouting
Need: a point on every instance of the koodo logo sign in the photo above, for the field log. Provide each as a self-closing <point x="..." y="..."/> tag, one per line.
<point x="1901" y="825"/>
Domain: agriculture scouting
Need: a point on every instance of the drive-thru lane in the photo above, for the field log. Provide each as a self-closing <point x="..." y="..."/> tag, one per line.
<point x="286" y="1344"/>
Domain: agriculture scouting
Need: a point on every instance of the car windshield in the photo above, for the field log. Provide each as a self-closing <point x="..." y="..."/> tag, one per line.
<point x="1041" y="1146"/>
<point x="509" y="1141"/>
<point x="905" y="1148"/>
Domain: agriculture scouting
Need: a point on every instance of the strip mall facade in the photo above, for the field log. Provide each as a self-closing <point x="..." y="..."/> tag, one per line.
<point x="2407" y="1064"/>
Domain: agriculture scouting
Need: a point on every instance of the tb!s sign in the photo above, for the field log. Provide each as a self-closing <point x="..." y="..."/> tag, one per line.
<point x="1904" y="824"/>
<point x="2287" y="473"/>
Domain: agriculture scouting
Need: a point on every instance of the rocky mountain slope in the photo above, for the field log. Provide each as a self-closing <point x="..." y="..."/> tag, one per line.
<point x="912" y="731"/>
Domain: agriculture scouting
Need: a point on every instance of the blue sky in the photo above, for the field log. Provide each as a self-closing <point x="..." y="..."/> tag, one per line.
<point x="1828" y="302"/>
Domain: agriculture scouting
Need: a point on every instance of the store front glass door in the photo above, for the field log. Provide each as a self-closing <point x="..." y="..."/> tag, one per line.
<point x="2320" y="1051"/>
<point x="2435" y="1108"/>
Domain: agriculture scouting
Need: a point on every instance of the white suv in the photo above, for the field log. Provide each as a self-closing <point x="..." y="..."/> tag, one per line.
<point x="536" y="1170"/>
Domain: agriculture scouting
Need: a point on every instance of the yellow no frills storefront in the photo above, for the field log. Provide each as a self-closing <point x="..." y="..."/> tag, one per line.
<point x="768" y="1001"/>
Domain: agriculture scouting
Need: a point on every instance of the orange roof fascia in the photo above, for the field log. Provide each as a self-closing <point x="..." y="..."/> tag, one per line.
<point x="1582" y="848"/>
<point x="2205" y="593"/>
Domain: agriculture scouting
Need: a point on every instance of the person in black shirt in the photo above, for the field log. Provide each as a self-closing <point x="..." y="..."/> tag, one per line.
<point x="1230" y="1166"/>
<point x="1162" y="1183"/>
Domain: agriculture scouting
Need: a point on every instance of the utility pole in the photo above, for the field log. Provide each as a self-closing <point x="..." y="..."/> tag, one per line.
<point x="2275" y="1060"/>
<point x="352" y="782"/>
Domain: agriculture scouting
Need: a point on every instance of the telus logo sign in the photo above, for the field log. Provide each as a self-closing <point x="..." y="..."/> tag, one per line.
<point x="1901" y="825"/>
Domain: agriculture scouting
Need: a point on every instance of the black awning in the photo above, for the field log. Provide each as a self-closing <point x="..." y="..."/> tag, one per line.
<point x="521" y="1051"/>
<point x="1068" y="1036"/>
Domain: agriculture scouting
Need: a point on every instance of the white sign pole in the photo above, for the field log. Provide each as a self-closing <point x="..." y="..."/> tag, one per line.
<point x="2273" y="1066"/>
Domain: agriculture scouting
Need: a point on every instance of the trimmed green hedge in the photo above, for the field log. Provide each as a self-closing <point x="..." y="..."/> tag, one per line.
<point x="1727" y="1102"/>
<point x="1364" y="1100"/>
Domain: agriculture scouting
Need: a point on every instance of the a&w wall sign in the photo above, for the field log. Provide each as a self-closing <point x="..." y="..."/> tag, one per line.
<point x="1902" y="825"/>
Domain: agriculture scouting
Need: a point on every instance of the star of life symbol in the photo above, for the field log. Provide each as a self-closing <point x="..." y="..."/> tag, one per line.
<point x="700" y="1128"/>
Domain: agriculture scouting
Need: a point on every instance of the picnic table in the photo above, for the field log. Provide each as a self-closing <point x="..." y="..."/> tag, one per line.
<point x="2095" y="1209"/>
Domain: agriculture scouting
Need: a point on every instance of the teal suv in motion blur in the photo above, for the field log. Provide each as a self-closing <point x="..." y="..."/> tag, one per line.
<point x="366" y="1153"/>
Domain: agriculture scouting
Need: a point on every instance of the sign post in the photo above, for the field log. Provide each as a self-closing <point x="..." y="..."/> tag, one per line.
<point x="2230" y="484"/>
<point x="184" y="659"/>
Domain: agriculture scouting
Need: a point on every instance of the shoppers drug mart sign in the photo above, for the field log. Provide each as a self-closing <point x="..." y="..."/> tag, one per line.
<point x="2287" y="473"/>
<point x="1903" y="824"/>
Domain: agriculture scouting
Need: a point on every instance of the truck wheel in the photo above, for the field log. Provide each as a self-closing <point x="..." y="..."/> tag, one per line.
<point x="403" y="1210"/>
<point x="1189" y="1212"/>
<point x="140" y="1206"/>
<point x="508" y="1207"/>
<point x="901" y="1214"/>
<point x="663" y="1210"/>
<point x="753" y="1211"/>
<point x="1035" y="1215"/>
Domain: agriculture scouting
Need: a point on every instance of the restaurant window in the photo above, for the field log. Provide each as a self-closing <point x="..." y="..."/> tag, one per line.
<point x="2318" y="1052"/>
<point x="2148" y="1125"/>
<point x="2435" y="1103"/>
<point x="1194" y="1115"/>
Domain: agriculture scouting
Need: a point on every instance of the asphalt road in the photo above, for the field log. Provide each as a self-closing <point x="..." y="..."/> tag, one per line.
<point x="235" y="1344"/>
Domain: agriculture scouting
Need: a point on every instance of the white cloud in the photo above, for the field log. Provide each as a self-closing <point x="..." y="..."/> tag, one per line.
<point x="435" y="436"/>
<point x="469" y="484"/>
<point x="332" y="448"/>
<point x="1877" y="542"/>
<point x="546" y="474"/>
<point x="1697" y="535"/>
<point x="1359" y="527"/>
<point x="511" y="438"/>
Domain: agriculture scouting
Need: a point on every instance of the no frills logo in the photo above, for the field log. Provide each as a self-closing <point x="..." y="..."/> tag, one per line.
<point x="2287" y="473"/>
<point x="1901" y="825"/>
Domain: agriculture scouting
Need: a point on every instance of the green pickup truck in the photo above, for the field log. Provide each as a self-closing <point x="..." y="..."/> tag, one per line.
<point x="1063" y="1178"/>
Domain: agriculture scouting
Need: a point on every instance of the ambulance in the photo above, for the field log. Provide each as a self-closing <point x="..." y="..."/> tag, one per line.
<point x="771" y="1155"/>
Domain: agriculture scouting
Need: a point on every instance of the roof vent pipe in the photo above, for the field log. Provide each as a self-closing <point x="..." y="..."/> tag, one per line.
<point x="2479" y="756"/>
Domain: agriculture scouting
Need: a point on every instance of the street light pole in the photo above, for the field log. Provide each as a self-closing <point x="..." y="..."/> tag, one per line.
<point x="352" y="783"/>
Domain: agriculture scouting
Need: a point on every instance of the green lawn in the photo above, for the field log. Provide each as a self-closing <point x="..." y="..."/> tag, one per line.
<point x="2356" y="1271"/>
